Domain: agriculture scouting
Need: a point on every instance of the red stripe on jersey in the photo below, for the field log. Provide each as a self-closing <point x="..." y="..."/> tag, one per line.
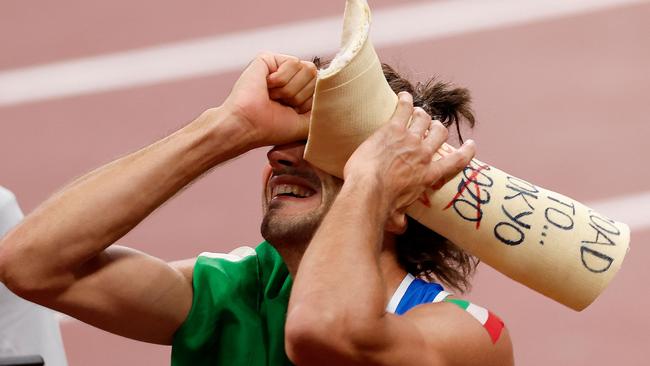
<point x="494" y="326"/>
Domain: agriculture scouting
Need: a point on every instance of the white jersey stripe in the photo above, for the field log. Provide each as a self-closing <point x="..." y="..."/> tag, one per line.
<point x="234" y="256"/>
<point x="441" y="296"/>
<point x="399" y="293"/>
<point x="481" y="314"/>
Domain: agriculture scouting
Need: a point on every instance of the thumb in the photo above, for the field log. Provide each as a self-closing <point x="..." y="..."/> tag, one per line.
<point x="289" y="125"/>
<point x="298" y="129"/>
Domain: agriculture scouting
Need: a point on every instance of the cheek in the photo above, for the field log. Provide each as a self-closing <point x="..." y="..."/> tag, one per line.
<point x="330" y="189"/>
<point x="266" y="175"/>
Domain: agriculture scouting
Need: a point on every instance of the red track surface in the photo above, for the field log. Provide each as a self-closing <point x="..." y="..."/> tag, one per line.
<point x="562" y="103"/>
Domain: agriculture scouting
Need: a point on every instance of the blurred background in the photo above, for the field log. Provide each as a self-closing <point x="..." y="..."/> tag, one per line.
<point x="561" y="90"/>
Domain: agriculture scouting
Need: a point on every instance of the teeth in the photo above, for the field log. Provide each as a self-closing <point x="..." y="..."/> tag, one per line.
<point x="292" y="189"/>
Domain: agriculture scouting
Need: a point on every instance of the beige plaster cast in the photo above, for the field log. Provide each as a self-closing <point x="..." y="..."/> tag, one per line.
<point x="544" y="240"/>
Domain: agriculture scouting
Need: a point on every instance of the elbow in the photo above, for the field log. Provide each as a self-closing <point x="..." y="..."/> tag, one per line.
<point x="11" y="274"/>
<point x="306" y="338"/>
<point x="17" y="270"/>
<point x="317" y="337"/>
<point x="8" y="269"/>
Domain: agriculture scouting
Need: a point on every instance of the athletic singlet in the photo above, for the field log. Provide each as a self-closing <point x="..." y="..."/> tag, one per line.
<point x="413" y="291"/>
<point x="240" y="303"/>
<point x="238" y="310"/>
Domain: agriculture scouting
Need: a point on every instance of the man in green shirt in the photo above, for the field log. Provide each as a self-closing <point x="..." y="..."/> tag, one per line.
<point x="234" y="309"/>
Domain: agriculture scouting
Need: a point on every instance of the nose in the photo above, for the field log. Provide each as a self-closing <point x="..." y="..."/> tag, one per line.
<point x="288" y="155"/>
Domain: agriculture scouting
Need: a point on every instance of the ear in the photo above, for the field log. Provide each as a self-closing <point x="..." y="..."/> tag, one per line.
<point x="396" y="223"/>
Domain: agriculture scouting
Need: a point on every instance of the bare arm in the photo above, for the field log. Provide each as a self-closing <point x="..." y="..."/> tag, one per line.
<point x="338" y="316"/>
<point x="59" y="256"/>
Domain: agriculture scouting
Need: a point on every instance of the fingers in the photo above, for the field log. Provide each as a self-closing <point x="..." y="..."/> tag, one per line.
<point x="404" y="109"/>
<point x="437" y="135"/>
<point x="451" y="164"/>
<point x="293" y="83"/>
<point x="304" y="94"/>
<point x="420" y="122"/>
<point x="306" y="106"/>
<point x="275" y="60"/>
<point x="285" y="69"/>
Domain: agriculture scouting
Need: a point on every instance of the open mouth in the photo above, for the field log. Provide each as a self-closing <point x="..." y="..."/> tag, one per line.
<point x="302" y="192"/>
<point x="291" y="190"/>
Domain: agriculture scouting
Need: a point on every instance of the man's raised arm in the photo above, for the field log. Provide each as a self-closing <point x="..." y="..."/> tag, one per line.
<point x="59" y="256"/>
<point x="337" y="311"/>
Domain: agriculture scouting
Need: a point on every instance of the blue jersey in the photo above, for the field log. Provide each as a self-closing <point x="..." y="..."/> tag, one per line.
<point x="413" y="291"/>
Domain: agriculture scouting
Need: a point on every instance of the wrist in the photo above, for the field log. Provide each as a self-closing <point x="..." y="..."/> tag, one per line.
<point x="218" y="135"/>
<point x="368" y="189"/>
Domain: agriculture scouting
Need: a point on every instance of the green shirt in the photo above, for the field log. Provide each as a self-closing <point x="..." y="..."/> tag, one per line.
<point x="238" y="311"/>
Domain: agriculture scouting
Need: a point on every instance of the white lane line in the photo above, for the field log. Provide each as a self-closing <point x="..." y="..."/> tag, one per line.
<point x="228" y="52"/>
<point x="632" y="209"/>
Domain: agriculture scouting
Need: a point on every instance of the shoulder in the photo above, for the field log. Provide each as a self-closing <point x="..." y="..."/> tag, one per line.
<point x="213" y="261"/>
<point x="238" y="266"/>
<point x="463" y="332"/>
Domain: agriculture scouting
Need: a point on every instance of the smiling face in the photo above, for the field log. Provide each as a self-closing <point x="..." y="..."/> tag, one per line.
<point x="296" y="197"/>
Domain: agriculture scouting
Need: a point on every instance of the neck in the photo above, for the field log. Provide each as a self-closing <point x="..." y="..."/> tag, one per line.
<point x="391" y="271"/>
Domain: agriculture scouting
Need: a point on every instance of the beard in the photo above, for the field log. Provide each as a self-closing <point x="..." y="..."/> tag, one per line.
<point x="290" y="231"/>
<point x="291" y="234"/>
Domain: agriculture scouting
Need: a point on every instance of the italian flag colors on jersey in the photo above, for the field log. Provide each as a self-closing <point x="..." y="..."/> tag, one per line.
<point x="240" y="303"/>
<point x="413" y="292"/>
<point x="490" y="322"/>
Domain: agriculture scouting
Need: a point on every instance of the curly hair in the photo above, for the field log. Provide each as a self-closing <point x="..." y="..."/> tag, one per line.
<point x="420" y="250"/>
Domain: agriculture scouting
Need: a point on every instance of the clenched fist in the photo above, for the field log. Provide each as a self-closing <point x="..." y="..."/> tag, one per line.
<point x="272" y="99"/>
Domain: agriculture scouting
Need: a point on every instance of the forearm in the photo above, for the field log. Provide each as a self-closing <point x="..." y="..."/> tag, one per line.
<point x="339" y="283"/>
<point x="95" y="210"/>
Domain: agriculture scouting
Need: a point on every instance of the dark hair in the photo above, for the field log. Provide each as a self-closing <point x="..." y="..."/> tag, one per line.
<point x="420" y="250"/>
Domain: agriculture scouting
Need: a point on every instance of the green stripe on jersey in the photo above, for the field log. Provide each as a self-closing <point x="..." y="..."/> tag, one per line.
<point x="492" y="324"/>
<point x="463" y="304"/>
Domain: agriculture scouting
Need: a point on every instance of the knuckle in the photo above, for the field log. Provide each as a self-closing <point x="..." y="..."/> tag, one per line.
<point x="394" y="127"/>
<point x="264" y="55"/>
<point x="421" y="113"/>
<point x="403" y="103"/>
<point x="439" y="128"/>
<point x="406" y="101"/>
<point x="460" y="160"/>
<point x="309" y="66"/>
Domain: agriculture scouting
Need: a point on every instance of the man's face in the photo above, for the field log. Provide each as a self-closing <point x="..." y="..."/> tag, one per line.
<point x="296" y="196"/>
